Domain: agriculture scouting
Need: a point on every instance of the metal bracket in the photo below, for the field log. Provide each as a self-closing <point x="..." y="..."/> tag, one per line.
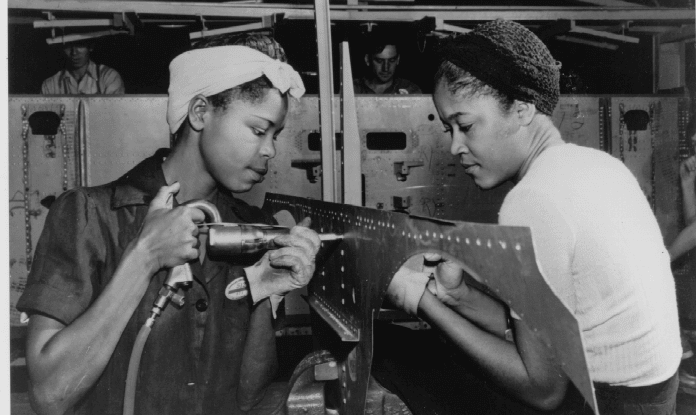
<point x="126" y="21"/>
<point x="367" y="27"/>
<point x="442" y="26"/>
<point x="403" y="168"/>
<point x="311" y="166"/>
<point x="401" y="204"/>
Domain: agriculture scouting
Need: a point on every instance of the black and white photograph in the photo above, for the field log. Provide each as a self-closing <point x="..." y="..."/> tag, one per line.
<point x="347" y="207"/>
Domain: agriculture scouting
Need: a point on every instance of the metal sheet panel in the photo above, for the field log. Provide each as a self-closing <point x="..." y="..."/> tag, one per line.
<point x="51" y="167"/>
<point x="122" y="131"/>
<point x="353" y="274"/>
<point x="651" y="153"/>
<point x="580" y="120"/>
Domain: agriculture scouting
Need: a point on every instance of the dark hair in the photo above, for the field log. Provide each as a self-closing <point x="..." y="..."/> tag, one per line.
<point x="459" y="81"/>
<point x="252" y="92"/>
<point x="377" y="40"/>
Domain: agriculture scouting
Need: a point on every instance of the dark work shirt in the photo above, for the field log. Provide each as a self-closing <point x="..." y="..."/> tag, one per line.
<point x="399" y="86"/>
<point x="207" y="359"/>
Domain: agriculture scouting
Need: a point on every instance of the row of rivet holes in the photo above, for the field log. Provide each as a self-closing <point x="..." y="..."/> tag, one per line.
<point x="503" y="244"/>
<point x="343" y="286"/>
<point x="343" y="366"/>
<point x="467" y="241"/>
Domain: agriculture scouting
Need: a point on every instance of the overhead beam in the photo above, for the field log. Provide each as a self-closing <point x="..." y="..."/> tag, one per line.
<point x="267" y="22"/>
<point x="611" y="3"/>
<point x="233" y="29"/>
<point x="603" y="45"/>
<point x="569" y="26"/>
<point x="363" y="12"/>
<point x="650" y="29"/>
<point x="441" y="25"/>
<point x="83" y="36"/>
<point x="613" y="36"/>
<point x="38" y="24"/>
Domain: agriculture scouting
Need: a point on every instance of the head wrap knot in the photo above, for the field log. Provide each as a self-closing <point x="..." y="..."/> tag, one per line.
<point x="210" y="71"/>
<point x="511" y="59"/>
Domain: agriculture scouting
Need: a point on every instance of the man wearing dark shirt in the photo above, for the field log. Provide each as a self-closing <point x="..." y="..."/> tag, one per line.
<point x="382" y="59"/>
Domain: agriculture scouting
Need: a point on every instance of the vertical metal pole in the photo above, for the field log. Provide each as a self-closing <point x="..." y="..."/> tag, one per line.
<point x="352" y="179"/>
<point x="656" y="63"/>
<point x="326" y="121"/>
<point x="82" y="159"/>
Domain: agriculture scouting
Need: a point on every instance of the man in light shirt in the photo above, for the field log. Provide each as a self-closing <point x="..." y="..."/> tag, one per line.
<point x="82" y="76"/>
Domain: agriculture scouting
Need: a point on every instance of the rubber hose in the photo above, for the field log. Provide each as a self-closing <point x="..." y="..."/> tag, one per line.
<point x="133" y="368"/>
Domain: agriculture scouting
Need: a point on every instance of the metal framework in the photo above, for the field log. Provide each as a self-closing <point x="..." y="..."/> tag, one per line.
<point x="369" y="12"/>
<point x="353" y="275"/>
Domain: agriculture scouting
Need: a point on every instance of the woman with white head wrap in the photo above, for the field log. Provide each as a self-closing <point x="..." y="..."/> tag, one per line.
<point x="211" y="71"/>
<point x="105" y="252"/>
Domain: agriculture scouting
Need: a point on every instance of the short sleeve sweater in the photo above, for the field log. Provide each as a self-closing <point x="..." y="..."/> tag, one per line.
<point x="600" y="249"/>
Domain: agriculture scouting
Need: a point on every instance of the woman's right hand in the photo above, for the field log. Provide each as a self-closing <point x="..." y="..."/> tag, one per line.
<point x="449" y="285"/>
<point x="169" y="236"/>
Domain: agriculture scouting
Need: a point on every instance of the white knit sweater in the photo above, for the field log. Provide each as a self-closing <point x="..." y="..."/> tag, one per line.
<point x="601" y="251"/>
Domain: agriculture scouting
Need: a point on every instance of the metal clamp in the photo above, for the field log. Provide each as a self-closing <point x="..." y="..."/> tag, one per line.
<point x="403" y="168"/>
<point x="311" y="166"/>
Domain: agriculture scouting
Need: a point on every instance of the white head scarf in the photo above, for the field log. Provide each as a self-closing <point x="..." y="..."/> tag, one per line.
<point x="209" y="71"/>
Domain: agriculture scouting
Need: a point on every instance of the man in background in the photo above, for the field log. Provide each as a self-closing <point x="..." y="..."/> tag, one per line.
<point x="82" y="76"/>
<point x="382" y="59"/>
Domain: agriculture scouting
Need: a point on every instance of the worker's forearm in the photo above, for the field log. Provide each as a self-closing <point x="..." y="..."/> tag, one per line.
<point x="689" y="201"/>
<point x="484" y="311"/>
<point x="510" y="365"/>
<point x="72" y="359"/>
<point x="684" y="242"/>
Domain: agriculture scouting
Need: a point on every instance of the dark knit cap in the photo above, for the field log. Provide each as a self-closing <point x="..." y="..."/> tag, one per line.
<point x="511" y="59"/>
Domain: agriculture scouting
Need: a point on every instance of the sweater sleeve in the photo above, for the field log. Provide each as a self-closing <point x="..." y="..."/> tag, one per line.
<point x="552" y="235"/>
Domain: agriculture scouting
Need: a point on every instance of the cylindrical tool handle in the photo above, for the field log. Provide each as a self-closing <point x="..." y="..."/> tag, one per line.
<point x="242" y="239"/>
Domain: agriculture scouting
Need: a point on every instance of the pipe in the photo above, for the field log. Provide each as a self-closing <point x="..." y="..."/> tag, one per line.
<point x="178" y="276"/>
<point x="134" y="367"/>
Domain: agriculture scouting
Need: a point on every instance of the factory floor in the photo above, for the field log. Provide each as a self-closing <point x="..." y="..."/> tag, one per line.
<point x="291" y="350"/>
<point x="19" y="404"/>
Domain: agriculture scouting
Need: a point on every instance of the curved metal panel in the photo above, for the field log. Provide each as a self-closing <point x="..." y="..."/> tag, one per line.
<point x="353" y="274"/>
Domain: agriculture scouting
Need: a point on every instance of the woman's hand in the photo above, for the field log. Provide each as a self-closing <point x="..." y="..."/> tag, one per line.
<point x="283" y="270"/>
<point x="687" y="171"/>
<point x="448" y="285"/>
<point x="169" y="236"/>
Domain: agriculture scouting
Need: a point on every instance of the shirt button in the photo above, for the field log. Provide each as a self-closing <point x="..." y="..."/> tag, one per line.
<point x="201" y="305"/>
